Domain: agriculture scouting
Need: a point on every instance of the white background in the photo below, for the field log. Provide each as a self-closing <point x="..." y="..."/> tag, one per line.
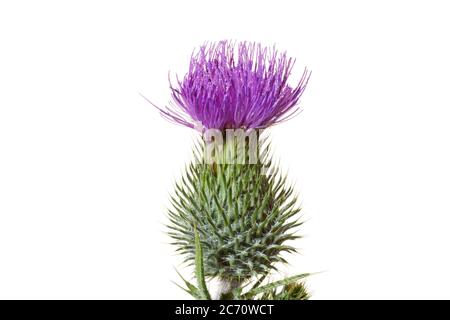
<point x="86" y="165"/>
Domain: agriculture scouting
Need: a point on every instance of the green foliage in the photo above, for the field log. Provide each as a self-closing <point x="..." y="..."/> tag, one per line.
<point x="291" y="289"/>
<point x="190" y="288"/>
<point x="274" y="285"/>
<point x="201" y="292"/>
<point x="199" y="270"/>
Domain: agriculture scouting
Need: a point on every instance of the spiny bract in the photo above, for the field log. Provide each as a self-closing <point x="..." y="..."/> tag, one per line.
<point x="243" y="215"/>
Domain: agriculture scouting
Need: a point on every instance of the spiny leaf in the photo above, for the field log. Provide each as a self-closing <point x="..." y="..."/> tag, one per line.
<point x="199" y="270"/>
<point x="253" y="292"/>
<point x="191" y="289"/>
<point x="292" y="291"/>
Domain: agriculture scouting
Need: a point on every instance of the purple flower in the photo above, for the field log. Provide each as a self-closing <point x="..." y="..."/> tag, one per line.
<point x="235" y="85"/>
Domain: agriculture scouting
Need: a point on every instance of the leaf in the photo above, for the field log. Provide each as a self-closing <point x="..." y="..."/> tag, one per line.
<point x="253" y="292"/>
<point x="259" y="281"/>
<point x="199" y="270"/>
<point x="191" y="289"/>
<point x="293" y="291"/>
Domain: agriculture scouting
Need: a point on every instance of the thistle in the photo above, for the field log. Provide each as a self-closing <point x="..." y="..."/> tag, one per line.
<point x="232" y="212"/>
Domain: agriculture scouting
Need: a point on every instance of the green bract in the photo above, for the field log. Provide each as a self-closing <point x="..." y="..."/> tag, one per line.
<point x="243" y="212"/>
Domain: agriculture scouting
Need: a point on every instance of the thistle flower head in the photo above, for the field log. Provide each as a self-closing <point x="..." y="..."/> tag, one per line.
<point x="233" y="85"/>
